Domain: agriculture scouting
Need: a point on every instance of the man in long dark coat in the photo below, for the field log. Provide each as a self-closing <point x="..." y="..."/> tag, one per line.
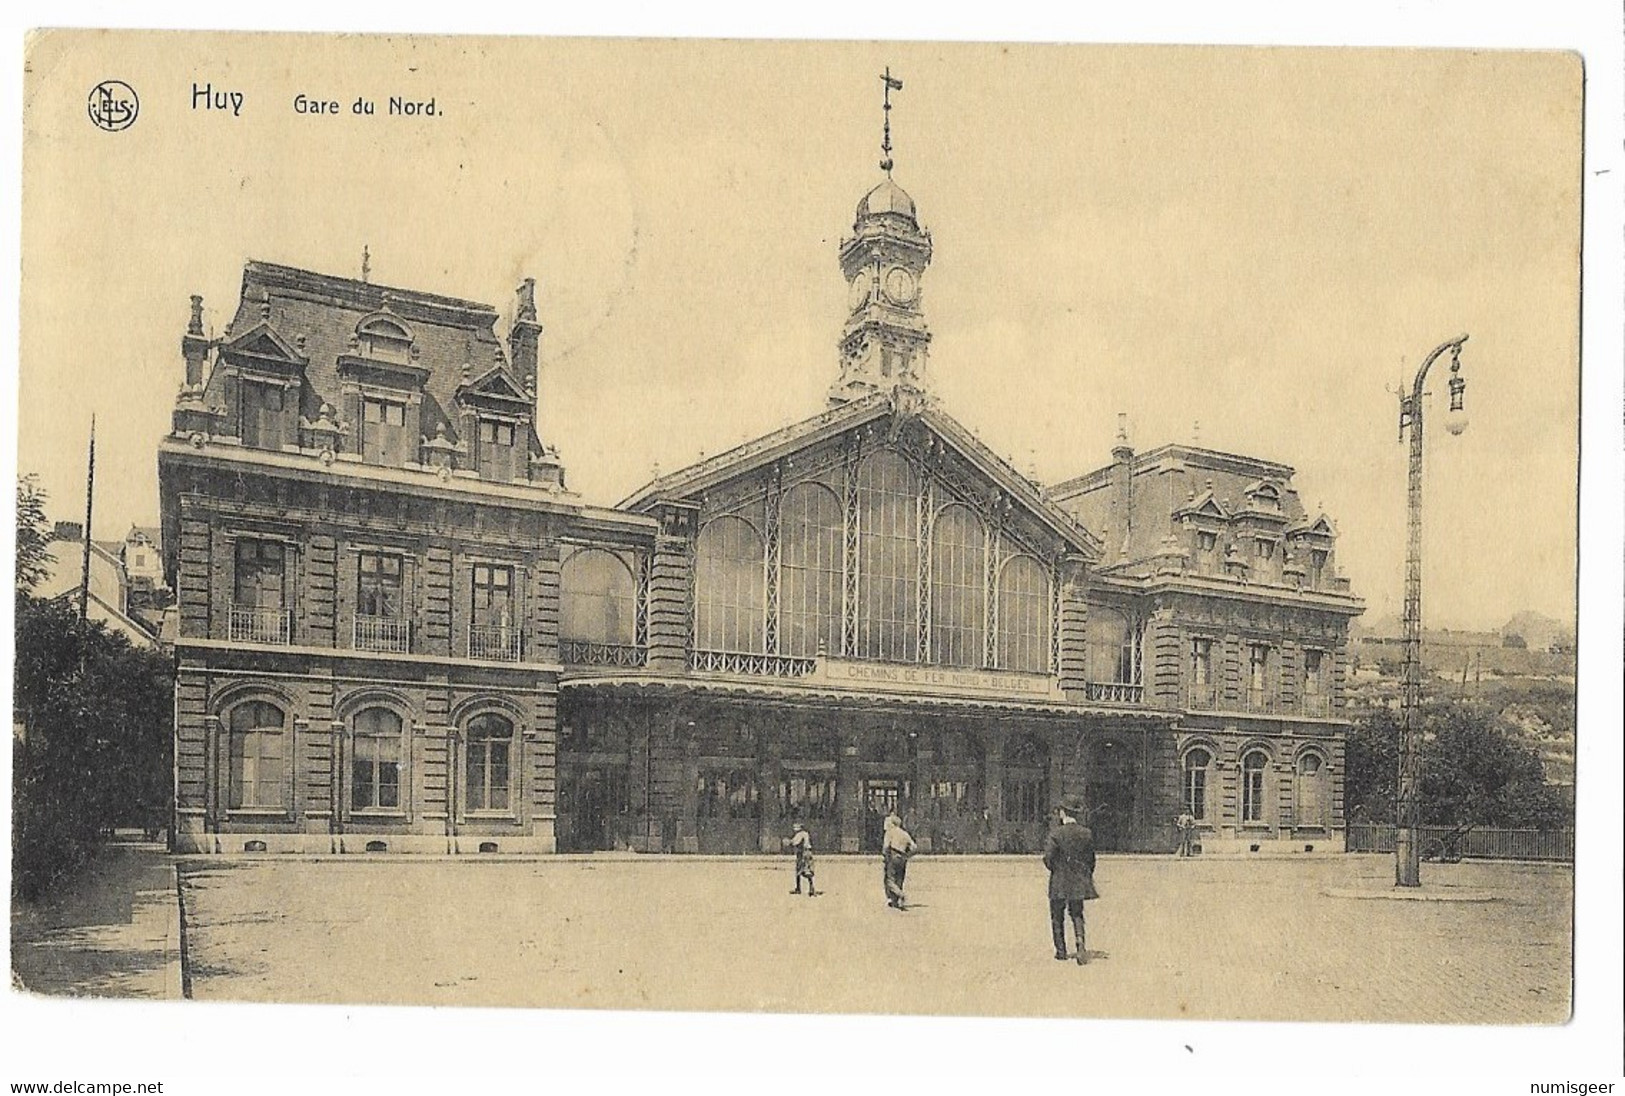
<point x="1069" y="854"/>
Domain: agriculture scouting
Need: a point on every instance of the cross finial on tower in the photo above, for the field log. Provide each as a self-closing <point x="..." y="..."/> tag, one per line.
<point x="890" y="84"/>
<point x="366" y="262"/>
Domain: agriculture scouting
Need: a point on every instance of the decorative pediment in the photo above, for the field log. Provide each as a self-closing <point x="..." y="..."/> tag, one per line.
<point x="497" y="384"/>
<point x="1320" y="526"/>
<point x="1205" y="505"/>
<point x="263" y="347"/>
<point x="1264" y="501"/>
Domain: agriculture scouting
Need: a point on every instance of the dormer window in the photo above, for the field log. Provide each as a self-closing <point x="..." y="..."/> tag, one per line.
<point x="383" y="432"/>
<point x="1317" y="566"/>
<point x="1264" y="549"/>
<point x="384" y="339"/>
<point x="1206" y="541"/>
<point x="262" y="414"/>
<point x="499" y="455"/>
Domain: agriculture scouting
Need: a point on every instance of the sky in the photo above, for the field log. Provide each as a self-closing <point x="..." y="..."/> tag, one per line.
<point x="1248" y="248"/>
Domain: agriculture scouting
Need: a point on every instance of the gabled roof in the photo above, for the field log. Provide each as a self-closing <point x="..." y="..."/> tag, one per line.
<point x="1204" y="505"/>
<point x="904" y="402"/>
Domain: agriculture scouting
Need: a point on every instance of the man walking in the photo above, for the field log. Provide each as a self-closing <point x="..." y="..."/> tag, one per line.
<point x="896" y="846"/>
<point x="1069" y="854"/>
<point x="1186" y="825"/>
<point x="801" y="845"/>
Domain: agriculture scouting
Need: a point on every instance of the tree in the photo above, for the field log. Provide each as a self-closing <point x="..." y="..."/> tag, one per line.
<point x="96" y="724"/>
<point x="1474" y="769"/>
<point x="34" y="557"/>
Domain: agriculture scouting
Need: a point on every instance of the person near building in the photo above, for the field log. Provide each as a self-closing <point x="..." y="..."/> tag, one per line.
<point x="896" y="846"/>
<point x="1069" y="854"/>
<point x="801" y="845"/>
<point x="1186" y="825"/>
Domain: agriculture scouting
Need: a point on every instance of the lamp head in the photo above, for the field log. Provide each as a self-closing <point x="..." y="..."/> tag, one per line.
<point x="1455" y="419"/>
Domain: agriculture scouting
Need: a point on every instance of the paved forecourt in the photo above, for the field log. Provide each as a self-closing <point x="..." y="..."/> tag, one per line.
<point x="1209" y="939"/>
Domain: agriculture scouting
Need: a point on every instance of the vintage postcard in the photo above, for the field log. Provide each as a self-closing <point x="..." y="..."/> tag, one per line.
<point x="909" y="528"/>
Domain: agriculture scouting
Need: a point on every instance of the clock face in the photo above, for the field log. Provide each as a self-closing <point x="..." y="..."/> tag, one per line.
<point x="900" y="285"/>
<point x="860" y="291"/>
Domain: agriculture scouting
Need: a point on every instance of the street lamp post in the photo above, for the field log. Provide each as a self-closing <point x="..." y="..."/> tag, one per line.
<point x="1407" y="850"/>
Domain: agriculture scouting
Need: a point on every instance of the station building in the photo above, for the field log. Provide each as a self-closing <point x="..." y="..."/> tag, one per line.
<point x="401" y="631"/>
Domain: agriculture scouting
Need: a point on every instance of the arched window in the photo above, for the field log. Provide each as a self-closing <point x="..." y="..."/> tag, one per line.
<point x="729" y="587"/>
<point x="810" y="532"/>
<point x="1197" y="769"/>
<point x="1253" y="767"/>
<point x="257" y="757"/>
<point x="888" y="554"/>
<point x="1114" y="648"/>
<point x="1024" y="616"/>
<point x="598" y="598"/>
<point x="958" y="582"/>
<point x="375" y="761"/>
<point x="487" y="763"/>
<point x="1311" y="791"/>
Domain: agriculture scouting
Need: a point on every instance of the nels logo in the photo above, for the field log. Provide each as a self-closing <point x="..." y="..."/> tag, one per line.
<point x="113" y="105"/>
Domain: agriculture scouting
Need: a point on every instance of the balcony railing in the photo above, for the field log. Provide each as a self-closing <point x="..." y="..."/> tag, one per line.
<point x="389" y="634"/>
<point x="1202" y="696"/>
<point x="581" y="652"/>
<point x="1261" y="700"/>
<point x="1116" y="692"/>
<point x="1317" y="704"/>
<point x="498" y="643"/>
<point x="733" y="662"/>
<point x="260" y="625"/>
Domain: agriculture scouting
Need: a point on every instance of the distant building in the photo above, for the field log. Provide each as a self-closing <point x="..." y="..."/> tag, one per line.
<point x="399" y="630"/>
<point x="109" y="600"/>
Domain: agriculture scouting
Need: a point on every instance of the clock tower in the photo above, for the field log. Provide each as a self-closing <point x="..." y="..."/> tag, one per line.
<point x="885" y="340"/>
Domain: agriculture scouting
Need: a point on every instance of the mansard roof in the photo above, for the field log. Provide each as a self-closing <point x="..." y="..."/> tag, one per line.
<point x="900" y="405"/>
<point x="314" y="318"/>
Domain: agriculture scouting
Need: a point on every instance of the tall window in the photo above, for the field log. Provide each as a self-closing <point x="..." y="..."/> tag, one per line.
<point x="257" y="760"/>
<point x="1314" y="681"/>
<point x="1311" y="797"/>
<point x="599" y="599"/>
<point x="493" y="596"/>
<point x="888" y="554"/>
<point x="810" y="532"/>
<point x="487" y="763"/>
<point x="1114" y="648"/>
<point x="259" y="582"/>
<point x="1201" y="661"/>
<point x="378" y="591"/>
<point x="1024" y="616"/>
<point x="383" y="432"/>
<point x="375" y="763"/>
<point x="498" y="455"/>
<point x="730" y="587"/>
<point x="263" y="416"/>
<point x="1252" y="786"/>
<point x="1207" y="550"/>
<point x="958" y="582"/>
<point x="1317" y="566"/>
<point x="1197" y="764"/>
<point x="1258" y="675"/>
<point x="1026" y="781"/>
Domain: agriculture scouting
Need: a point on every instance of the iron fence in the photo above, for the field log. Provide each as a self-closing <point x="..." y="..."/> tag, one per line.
<point x="1481" y="842"/>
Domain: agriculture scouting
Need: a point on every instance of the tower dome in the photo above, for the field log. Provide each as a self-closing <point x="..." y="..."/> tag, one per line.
<point x="888" y="197"/>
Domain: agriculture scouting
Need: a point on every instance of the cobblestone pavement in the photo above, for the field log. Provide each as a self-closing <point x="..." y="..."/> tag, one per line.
<point x="112" y="932"/>
<point x="1201" y="939"/>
